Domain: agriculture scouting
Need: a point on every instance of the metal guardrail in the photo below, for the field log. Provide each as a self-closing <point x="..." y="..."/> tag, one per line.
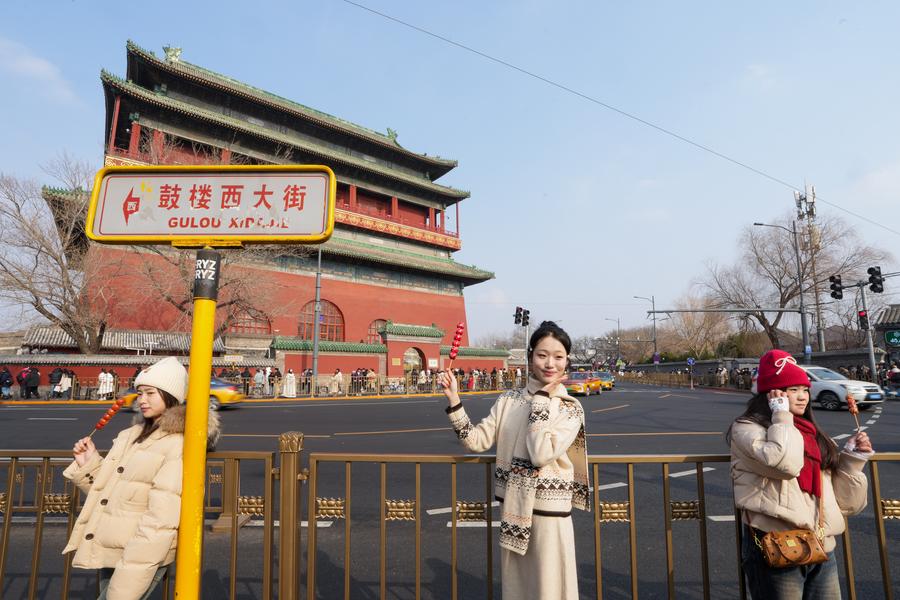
<point x="34" y="488"/>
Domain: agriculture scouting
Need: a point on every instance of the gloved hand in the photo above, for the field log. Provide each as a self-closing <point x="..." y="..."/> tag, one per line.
<point x="778" y="402"/>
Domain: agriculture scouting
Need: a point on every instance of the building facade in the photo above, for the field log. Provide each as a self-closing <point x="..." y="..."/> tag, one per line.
<point x="391" y="292"/>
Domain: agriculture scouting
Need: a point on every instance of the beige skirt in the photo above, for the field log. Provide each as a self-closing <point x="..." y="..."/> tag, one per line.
<point x="547" y="571"/>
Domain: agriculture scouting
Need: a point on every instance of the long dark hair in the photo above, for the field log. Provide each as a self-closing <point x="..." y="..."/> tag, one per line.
<point x="549" y="329"/>
<point x="150" y="425"/>
<point x="758" y="412"/>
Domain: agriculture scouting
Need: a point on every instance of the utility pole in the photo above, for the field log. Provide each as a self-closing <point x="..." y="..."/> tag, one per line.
<point x="806" y="210"/>
<point x="652" y="300"/>
<point x="316" y="316"/>
<point x="618" y="336"/>
<point x="869" y="342"/>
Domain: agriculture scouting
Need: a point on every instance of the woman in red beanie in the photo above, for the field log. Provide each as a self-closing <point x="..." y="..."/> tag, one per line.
<point x="782" y="464"/>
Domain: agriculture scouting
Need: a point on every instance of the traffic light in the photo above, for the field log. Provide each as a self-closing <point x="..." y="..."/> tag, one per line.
<point x="863" y="320"/>
<point x="525" y="314"/>
<point x="518" y="315"/>
<point x="837" y="289"/>
<point x="876" y="280"/>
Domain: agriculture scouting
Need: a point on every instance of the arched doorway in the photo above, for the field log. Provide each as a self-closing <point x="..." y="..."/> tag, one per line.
<point x="413" y="361"/>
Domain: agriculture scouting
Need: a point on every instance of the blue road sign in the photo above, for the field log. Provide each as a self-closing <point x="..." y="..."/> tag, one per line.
<point x="690" y="362"/>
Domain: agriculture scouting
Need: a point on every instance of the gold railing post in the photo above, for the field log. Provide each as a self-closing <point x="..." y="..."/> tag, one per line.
<point x="230" y="491"/>
<point x="289" y="446"/>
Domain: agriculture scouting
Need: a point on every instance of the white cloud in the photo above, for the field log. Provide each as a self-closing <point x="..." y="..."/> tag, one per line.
<point x="758" y="77"/>
<point x="21" y="63"/>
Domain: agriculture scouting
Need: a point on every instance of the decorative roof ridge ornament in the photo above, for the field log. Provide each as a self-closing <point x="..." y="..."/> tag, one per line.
<point x="392" y="135"/>
<point x="173" y="54"/>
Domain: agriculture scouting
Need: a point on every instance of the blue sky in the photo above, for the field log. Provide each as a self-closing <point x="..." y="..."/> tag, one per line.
<point x="575" y="207"/>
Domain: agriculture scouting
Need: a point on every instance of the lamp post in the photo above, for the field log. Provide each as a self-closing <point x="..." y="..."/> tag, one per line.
<point x="804" y="330"/>
<point x="652" y="300"/>
<point x="618" y="337"/>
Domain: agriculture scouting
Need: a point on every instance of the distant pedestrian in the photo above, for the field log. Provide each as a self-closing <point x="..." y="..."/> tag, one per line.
<point x="542" y="470"/>
<point x="32" y="383"/>
<point x="6" y="383"/>
<point x="289" y="389"/>
<point x="337" y="383"/>
<point x="259" y="382"/>
<point x="128" y="525"/>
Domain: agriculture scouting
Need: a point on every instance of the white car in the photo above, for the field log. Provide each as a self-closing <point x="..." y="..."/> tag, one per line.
<point x="830" y="389"/>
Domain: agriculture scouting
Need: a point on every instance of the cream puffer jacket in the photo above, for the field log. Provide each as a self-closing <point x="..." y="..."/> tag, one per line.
<point x="765" y="464"/>
<point x="130" y="516"/>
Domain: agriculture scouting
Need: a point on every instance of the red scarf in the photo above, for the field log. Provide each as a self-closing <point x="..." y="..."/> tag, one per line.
<point x="810" y="478"/>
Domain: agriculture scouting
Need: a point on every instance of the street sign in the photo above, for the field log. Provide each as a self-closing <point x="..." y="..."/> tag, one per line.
<point x="892" y="338"/>
<point x="656" y="358"/>
<point x="219" y="205"/>
<point x="690" y="362"/>
<point x="233" y="358"/>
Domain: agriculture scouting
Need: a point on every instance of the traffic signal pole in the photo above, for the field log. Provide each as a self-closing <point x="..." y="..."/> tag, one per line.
<point x="869" y="342"/>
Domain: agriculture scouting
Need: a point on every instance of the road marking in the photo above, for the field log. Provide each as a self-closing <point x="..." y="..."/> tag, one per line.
<point x="52" y="419"/>
<point x="610" y="408"/>
<point x="870" y="422"/>
<point x="446" y="509"/>
<point x="720" y="518"/>
<point x="840" y="437"/>
<point x="654" y="433"/>
<point x="665" y="395"/>
<point x="481" y="524"/>
<point x="270" y="435"/>
<point x="690" y="472"/>
<point x="394" y="431"/>
<point x="611" y="486"/>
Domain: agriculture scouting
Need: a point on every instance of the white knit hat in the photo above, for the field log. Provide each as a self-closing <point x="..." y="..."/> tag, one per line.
<point x="168" y="375"/>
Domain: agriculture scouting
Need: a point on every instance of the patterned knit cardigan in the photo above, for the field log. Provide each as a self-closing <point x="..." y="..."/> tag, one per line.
<point x="541" y="456"/>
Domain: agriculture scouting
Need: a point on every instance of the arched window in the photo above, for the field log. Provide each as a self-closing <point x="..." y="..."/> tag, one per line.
<point x="374" y="337"/>
<point x="331" y="322"/>
<point x="246" y="323"/>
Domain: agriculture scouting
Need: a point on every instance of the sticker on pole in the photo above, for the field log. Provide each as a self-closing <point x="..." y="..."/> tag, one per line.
<point x="218" y="205"/>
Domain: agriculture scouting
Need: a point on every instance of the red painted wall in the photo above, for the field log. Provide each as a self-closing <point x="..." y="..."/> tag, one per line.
<point x="301" y="361"/>
<point x="139" y="308"/>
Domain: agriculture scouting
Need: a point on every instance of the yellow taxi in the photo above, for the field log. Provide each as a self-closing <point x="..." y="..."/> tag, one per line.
<point x="607" y="381"/>
<point x="582" y="382"/>
<point x="221" y="394"/>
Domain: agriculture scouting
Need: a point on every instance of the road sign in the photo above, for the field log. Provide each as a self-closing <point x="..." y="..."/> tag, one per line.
<point x="690" y="362"/>
<point x="233" y="358"/>
<point x="656" y="358"/>
<point x="220" y="205"/>
<point x="892" y="338"/>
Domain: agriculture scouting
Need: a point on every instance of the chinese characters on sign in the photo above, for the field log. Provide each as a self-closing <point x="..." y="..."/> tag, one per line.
<point x="263" y="204"/>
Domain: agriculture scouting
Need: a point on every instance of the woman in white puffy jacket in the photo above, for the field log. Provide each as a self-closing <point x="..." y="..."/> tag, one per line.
<point x="782" y="466"/>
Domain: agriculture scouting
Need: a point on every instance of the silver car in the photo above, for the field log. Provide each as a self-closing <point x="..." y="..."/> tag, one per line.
<point x="830" y="389"/>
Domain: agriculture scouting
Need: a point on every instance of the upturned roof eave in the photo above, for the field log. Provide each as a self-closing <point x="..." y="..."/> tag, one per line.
<point x="209" y="77"/>
<point x="451" y="195"/>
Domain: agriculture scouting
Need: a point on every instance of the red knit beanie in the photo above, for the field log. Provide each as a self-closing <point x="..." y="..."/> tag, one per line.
<point x="777" y="371"/>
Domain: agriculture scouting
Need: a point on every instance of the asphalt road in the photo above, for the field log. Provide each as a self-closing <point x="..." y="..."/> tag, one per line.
<point x="628" y="420"/>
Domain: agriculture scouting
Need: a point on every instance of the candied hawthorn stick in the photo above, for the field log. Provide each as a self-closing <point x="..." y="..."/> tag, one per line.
<point x="107" y="416"/>
<point x="854" y="410"/>
<point x="457" y="339"/>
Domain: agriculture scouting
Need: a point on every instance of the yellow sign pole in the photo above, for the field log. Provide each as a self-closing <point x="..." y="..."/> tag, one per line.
<point x="190" y="529"/>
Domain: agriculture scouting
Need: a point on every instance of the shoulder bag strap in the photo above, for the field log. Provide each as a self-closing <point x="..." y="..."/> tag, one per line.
<point x="820" y="530"/>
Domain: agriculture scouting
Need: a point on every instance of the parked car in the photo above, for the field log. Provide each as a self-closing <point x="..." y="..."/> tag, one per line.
<point x="583" y="382"/>
<point x="607" y="379"/>
<point x="221" y="394"/>
<point x="830" y="389"/>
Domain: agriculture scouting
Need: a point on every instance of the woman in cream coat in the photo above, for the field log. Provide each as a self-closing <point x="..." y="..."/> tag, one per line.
<point x="129" y="523"/>
<point x="782" y="464"/>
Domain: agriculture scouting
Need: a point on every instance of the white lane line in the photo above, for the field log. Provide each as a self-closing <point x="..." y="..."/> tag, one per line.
<point x="876" y="416"/>
<point x="871" y="422"/>
<point x="52" y="419"/>
<point x="691" y="472"/>
<point x="840" y="437"/>
<point x="611" y="486"/>
<point x="720" y="518"/>
<point x="481" y="524"/>
<point x="446" y="509"/>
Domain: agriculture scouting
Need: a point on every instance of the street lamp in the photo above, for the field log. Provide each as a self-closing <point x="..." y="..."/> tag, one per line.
<point x="618" y="337"/>
<point x="804" y="330"/>
<point x="652" y="300"/>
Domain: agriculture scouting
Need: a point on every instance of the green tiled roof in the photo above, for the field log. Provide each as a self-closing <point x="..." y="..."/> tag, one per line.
<point x="298" y="344"/>
<point x="290" y="106"/>
<point x="392" y="328"/>
<point x="464" y="351"/>
<point x="275" y="136"/>
<point x="392" y="256"/>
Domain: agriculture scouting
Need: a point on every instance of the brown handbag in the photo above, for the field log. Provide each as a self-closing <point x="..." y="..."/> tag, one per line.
<point x="795" y="547"/>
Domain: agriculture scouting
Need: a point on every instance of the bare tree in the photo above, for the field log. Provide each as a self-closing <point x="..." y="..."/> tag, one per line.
<point x="765" y="275"/>
<point x="47" y="263"/>
<point x="698" y="333"/>
<point x="514" y="338"/>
